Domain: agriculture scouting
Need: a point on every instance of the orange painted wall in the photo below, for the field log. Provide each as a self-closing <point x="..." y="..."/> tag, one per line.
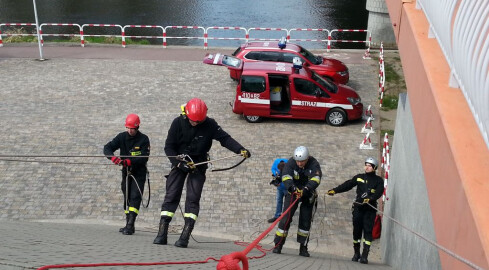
<point x="453" y="153"/>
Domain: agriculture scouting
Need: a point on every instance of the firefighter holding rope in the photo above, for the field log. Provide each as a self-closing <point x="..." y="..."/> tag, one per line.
<point x="190" y="136"/>
<point x="370" y="188"/>
<point x="130" y="143"/>
<point x="301" y="177"/>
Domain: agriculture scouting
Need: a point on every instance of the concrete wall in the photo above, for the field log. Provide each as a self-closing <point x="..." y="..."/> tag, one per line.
<point x="408" y="201"/>
<point x="379" y="24"/>
<point x="452" y="151"/>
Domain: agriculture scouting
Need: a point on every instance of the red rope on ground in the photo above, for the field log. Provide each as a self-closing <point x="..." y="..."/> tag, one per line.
<point x="258" y="247"/>
<point x="227" y="262"/>
<point x="120" y="264"/>
<point x="231" y="261"/>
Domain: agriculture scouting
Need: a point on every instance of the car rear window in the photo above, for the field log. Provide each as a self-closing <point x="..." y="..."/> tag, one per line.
<point x="253" y="84"/>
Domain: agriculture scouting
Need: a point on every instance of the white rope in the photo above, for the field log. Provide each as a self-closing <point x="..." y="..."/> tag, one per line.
<point x="449" y="252"/>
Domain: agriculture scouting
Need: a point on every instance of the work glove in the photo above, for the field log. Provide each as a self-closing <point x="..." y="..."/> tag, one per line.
<point x="299" y="193"/>
<point x="245" y="153"/>
<point x="331" y="192"/>
<point x="276" y="181"/>
<point x="294" y="190"/>
<point x="126" y="163"/>
<point x="186" y="167"/>
<point x="116" y="160"/>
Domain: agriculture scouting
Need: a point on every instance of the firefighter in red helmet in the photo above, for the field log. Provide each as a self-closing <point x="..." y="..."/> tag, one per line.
<point x="130" y="143"/>
<point x="190" y="134"/>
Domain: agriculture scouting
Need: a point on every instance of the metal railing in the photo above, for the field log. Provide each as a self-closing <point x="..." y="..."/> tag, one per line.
<point x="200" y="33"/>
<point x="462" y="30"/>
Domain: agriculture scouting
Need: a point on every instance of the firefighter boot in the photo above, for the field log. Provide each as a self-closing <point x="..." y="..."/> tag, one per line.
<point x="356" y="256"/>
<point x="162" y="237"/>
<point x="129" y="229"/>
<point x="366" y="249"/>
<point x="127" y="219"/>
<point x="186" y="232"/>
<point x="303" y="251"/>
<point x="279" y="243"/>
<point x="278" y="249"/>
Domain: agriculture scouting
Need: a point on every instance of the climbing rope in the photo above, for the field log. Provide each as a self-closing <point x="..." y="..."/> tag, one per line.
<point x="231" y="261"/>
<point x="15" y="158"/>
<point x="122" y="264"/>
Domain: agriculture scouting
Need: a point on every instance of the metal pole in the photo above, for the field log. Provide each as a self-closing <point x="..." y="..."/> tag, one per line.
<point x="38" y="34"/>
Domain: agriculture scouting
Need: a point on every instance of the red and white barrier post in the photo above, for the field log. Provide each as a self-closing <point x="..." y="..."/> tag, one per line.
<point x="366" y="143"/>
<point x="368" y="128"/>
<point x="385" y="164"/>
<point x="366" y="55"/>
<point x="368" y="113"/>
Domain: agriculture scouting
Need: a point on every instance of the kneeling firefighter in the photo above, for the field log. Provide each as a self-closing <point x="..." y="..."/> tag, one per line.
<point x="191" y="135"/>
<point x="370" y="188"/>
<point x="130" y="143"/>
<point x="301" y="176"/>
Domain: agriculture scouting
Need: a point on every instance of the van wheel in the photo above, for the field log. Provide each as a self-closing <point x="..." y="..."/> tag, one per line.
<point x="336" y="117"/>
<point x="253" y="119"/>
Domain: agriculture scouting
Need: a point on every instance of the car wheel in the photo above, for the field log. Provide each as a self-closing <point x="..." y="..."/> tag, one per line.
<point x="336" y="117"/>
<point x="253" y="118"/>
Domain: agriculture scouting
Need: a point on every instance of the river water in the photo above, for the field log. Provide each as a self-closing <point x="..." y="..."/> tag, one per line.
<point x="325" y="14"/>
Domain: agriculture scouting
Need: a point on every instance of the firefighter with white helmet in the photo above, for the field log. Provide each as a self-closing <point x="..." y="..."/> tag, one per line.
<point x="301" y="177"/>
<point x="370" y="188"/>
<point x="191" y="134"/>
<point x="130" y="143"/>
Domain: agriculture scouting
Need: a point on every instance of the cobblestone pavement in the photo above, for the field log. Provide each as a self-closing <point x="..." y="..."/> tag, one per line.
<point x="73" y="103"/>
<point x="30" y="245"/>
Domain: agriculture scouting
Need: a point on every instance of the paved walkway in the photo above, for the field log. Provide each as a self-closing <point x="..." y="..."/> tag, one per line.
<point x="76" y="101"/>
<point x="29" y="245"/>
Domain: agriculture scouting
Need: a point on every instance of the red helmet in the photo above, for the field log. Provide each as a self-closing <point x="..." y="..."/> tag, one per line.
<point x="132" y="121"/>
<point x="196" y="110"/>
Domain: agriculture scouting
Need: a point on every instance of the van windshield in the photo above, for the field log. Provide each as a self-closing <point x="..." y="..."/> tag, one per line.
<point x="331" y="87"/>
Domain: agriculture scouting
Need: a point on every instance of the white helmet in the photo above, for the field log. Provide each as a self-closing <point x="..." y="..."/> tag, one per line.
<point x="373" y="162"/>
<point x="301" y="153"/>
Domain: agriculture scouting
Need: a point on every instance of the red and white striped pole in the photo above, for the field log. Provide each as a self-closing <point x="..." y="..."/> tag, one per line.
<point x="123" y="34"/>
<point x="329" y="42"/>
<point x="37" y="29"/>
<point x="367" y="52"/>
<point x="205" y="39"/>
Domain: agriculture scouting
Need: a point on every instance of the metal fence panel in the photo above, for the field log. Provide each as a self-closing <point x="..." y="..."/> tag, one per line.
<point x="461" y="27"/>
